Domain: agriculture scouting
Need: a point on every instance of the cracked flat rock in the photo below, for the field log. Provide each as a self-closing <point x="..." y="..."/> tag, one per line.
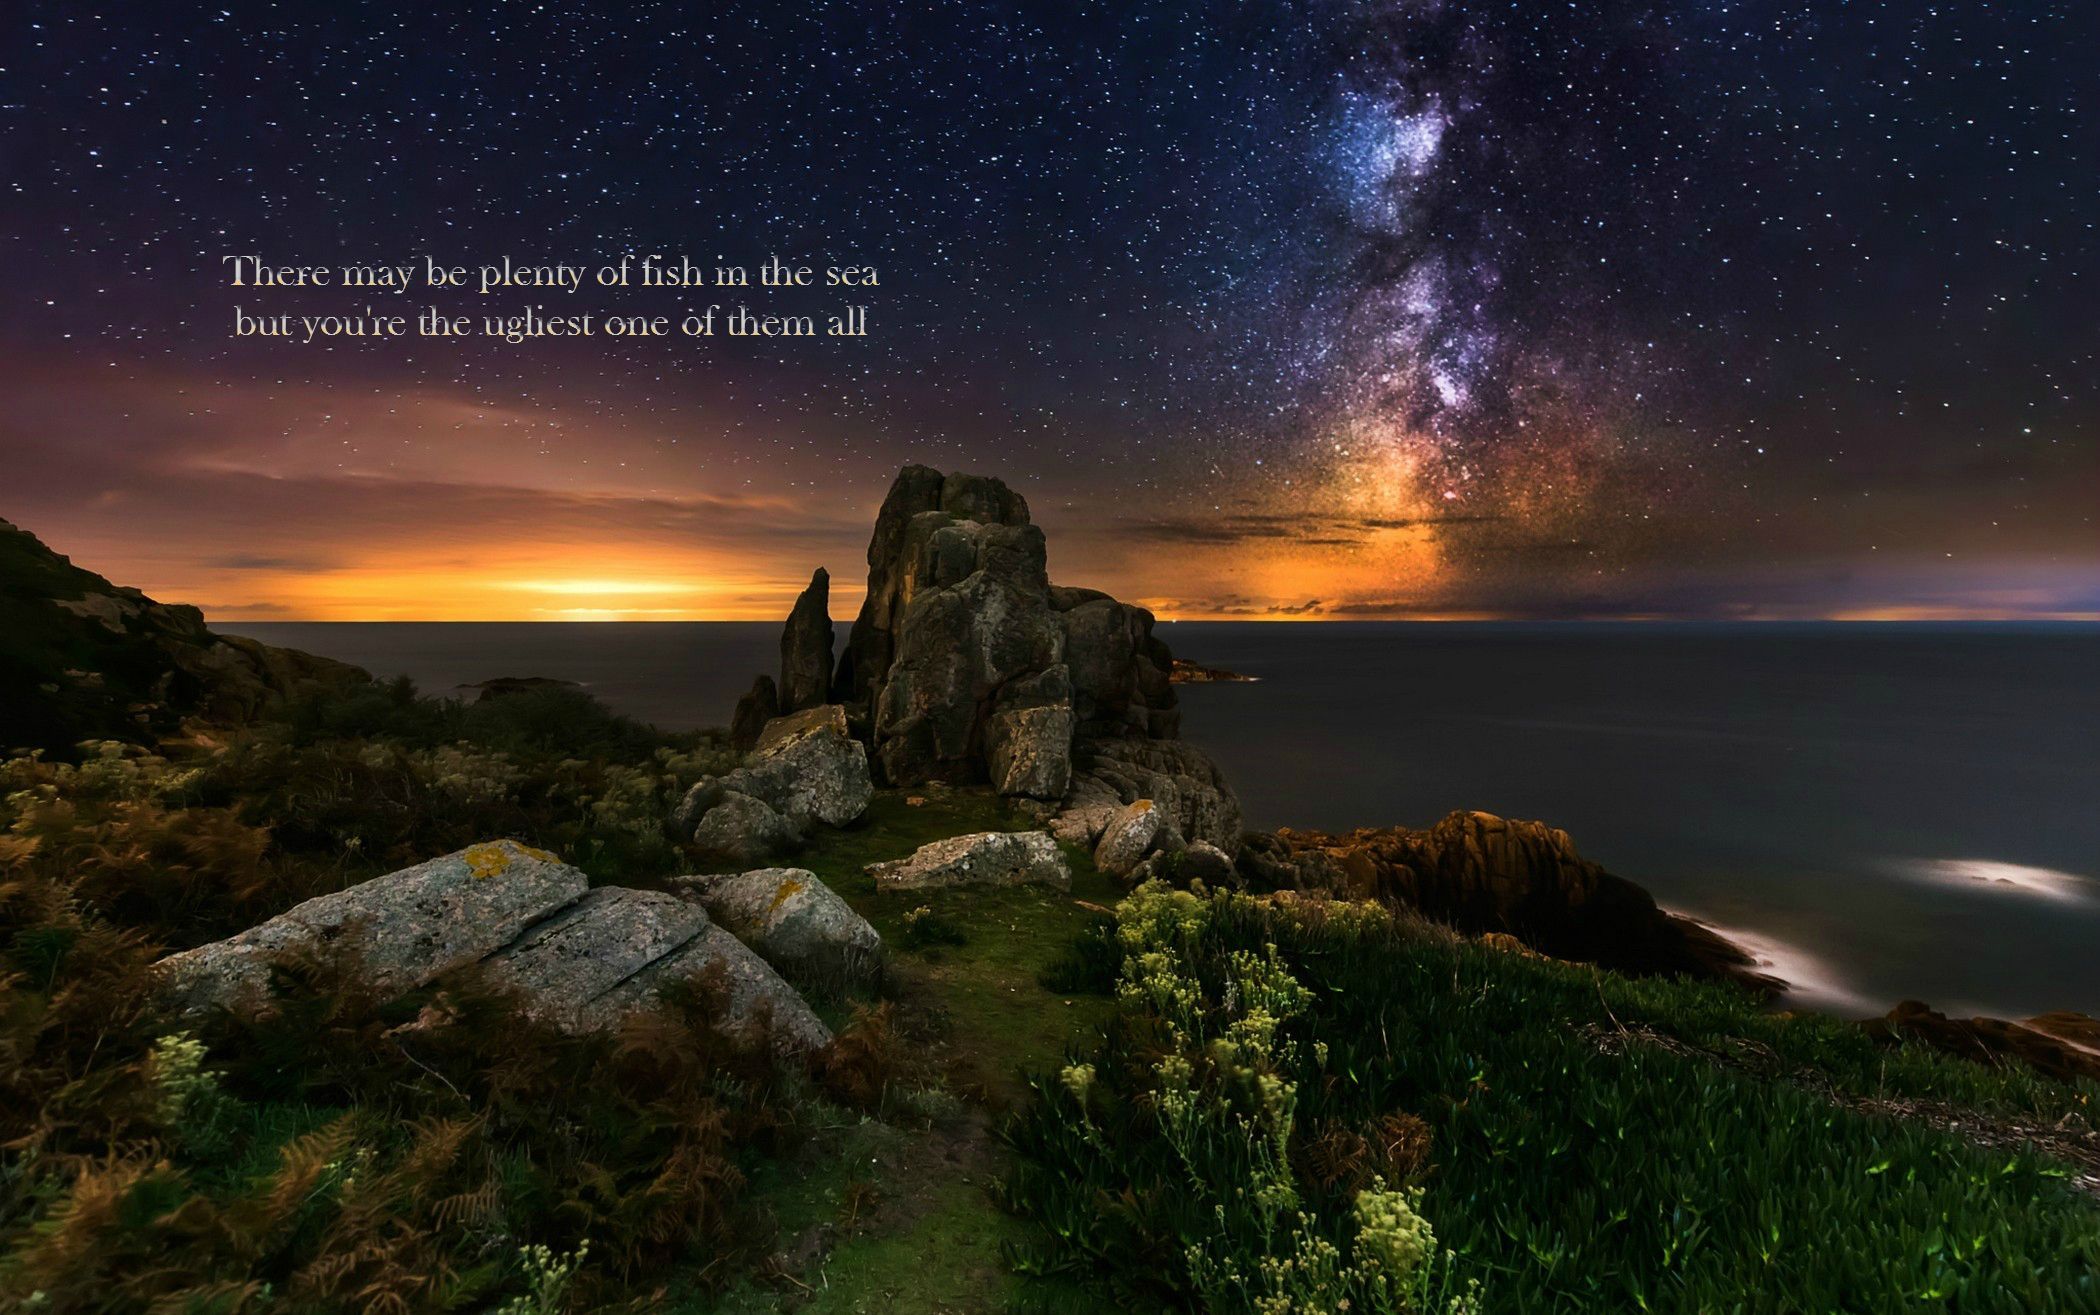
<point x="578" y="958"/>
<point x="987" y="858"/>
<point x="403" y="929"/>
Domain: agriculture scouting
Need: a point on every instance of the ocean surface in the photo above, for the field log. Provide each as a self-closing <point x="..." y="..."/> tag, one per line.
<point x="1881" y="811"/>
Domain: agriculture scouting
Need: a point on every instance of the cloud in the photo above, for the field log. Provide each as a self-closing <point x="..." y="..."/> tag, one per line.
<point x="1227" y="528"/>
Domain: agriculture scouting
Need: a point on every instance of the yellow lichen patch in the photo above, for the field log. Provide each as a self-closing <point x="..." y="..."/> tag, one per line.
<point x="788" y="888"/>
<point x="494" y="858"/>
<point x="485" y="861"/>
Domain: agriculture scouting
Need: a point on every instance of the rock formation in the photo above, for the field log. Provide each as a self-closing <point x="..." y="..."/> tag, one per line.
<point x="988" y="858"/>
<point x="81" y="658"/>
<point x="579" y="958"/>
<point x="753" y="711"/>
<point x="1128" y="837"/>
<point x="795" y="922"/>
<point x="1480" y="873"/>
<point x="805" y="771"/>
<point x="805" y="648"/>
<point x="2063" y="1045"/>
<point x="966" y="665"/>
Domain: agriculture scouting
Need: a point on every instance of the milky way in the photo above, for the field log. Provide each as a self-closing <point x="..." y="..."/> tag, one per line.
<point x="1572" y="276"/>
<point x="1391" y="308"/>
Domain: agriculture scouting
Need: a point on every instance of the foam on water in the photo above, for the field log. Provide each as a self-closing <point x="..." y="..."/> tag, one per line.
<point x="1994" y="875"/>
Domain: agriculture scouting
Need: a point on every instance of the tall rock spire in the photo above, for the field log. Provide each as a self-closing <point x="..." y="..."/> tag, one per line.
<point x="805" y="648"/>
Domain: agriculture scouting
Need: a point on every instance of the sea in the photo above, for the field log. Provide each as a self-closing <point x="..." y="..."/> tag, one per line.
<point x="1878" y="811"/>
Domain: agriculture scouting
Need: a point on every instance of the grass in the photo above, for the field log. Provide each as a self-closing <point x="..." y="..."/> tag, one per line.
<point x="996" y="1017"/>
<point x="1373" y="1111"/>
<point x="977" y="1020"/>
<point x="1596" y="1143"/>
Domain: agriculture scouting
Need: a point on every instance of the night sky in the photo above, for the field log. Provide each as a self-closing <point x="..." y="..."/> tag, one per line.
<point x="1401" y="309"/>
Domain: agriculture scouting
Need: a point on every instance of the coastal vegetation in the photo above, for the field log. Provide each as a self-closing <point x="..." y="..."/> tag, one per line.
<point x="1135" y="1059"/>
<point x="1229" y="1102"/>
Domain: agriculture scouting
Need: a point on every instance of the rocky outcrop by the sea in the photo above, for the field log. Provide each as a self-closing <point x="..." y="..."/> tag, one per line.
<point x="1186" y="672"/>
<point x="967" y="665"/>
<point x="2062" y="1045"/>
<point x="81" y="658"/>
<point x="578" y="958"/>
<point x="1483" y="874"/>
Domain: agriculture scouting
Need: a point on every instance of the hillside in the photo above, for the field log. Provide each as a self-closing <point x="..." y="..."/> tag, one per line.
<point x="81" y="658"/>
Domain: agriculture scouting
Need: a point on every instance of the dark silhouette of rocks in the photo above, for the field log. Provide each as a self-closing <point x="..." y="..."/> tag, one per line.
<point x="2063" y="1045"/>
<point x="1186" y="672"/>
<point x="966" y="665"/>
<point x="805" y="648"/>
<point x="81" y="658"/>
<point x="502" y="686"/>
<point x="1482" y="874"/>
<point x="753" y="711"/>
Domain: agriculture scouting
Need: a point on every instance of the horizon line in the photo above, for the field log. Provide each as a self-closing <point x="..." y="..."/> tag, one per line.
<point x="1892" y="617"/>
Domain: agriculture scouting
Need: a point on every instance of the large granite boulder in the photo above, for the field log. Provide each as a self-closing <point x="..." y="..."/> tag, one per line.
<point x="403" y="929"/>
<point x="579" y="959"/>
<point x="805" y="648"/>
<point x="815" y="770"/>
<point x="806" y="770"/>
<point x="974" y="667"/>
<point x="987" y="858"/>
<point x="1481" y="873"/>
<point x="795" y="922"/>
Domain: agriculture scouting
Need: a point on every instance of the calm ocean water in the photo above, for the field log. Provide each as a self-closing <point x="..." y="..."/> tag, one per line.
<point x="1883" y="811"/>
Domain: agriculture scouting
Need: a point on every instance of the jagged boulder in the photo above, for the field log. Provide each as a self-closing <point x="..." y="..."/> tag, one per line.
<point x="806" y="770"/>
<point x="1194" y="799"/>
<point x="1481" y="873"/>
<point x="1128" y="837"/>
<point x="795" y="922"/>
<point x="580" y="959"/>
<point x="805" y="648"/>
<point x="753" y="711"/>
<point x="987" y="858"/>
<point x="816" y="770"/>
<point x="731" y="829"/>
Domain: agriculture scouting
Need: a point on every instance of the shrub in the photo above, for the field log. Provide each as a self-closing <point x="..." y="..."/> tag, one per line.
<point x="1288" y="1097"/>
<point x="344" y="1152"/>
<point x="925" y="929"/>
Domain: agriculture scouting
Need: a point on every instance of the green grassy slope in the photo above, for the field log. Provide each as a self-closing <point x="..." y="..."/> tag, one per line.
<point x="1593" y="1143"/>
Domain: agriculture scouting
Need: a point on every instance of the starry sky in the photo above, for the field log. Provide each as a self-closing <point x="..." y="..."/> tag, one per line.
<point x="1405" y="308"/>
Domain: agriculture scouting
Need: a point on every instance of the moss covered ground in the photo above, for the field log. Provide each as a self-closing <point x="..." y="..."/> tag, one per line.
<point x="902" y="1216"/>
